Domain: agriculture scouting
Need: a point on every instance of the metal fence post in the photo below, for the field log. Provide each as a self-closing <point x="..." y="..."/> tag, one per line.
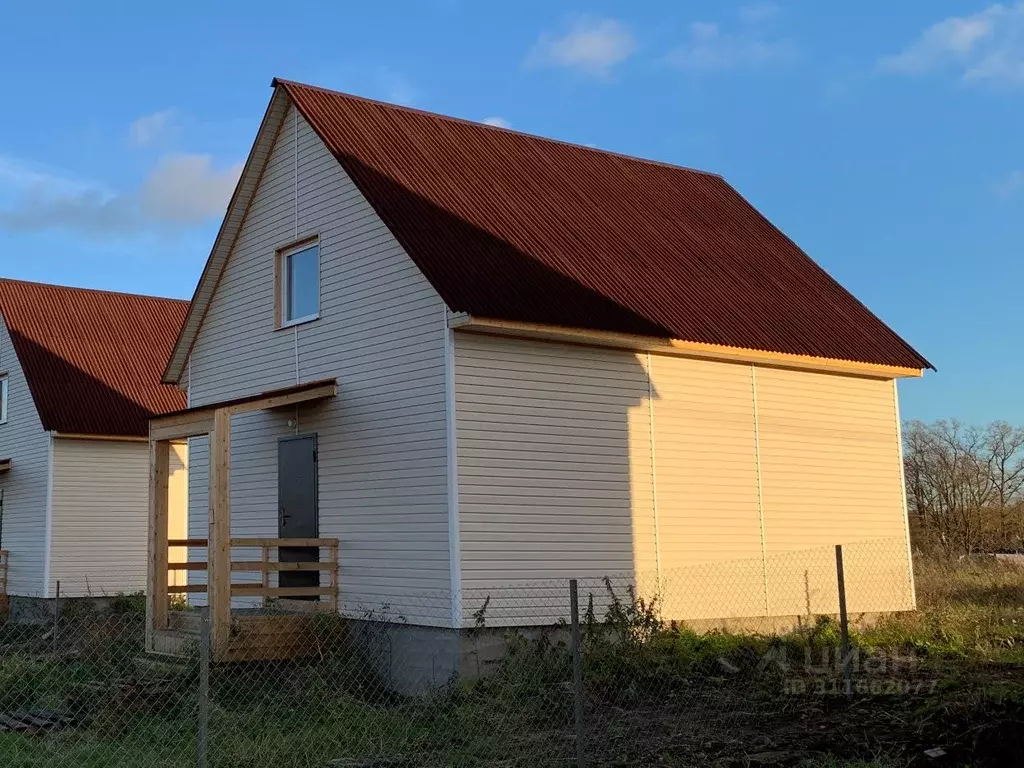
<point x="203" y="703"/>
<point x="577" y="673"/>
<point x="844" y="622"/>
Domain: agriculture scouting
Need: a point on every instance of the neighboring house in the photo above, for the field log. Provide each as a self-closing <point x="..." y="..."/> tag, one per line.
<point x="79" y="378"/>
<point x="550" y="362"/>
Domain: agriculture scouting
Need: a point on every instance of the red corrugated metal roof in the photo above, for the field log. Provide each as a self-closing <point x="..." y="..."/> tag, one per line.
<point x="93" y="359"/>
<point x="517" y="227"/>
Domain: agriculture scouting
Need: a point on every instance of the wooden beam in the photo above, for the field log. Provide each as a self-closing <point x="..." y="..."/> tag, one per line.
<point x="181" y="425"/>
<point x="186" y="566"/>
<point x="219" y="553"/>
<point x="292" y="398"/>
<point x="678" y="348"/>
<point x="187" y="542"/>
<point x="156" y="588"/>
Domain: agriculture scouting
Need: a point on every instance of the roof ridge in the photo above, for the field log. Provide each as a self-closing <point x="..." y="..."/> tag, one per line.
<point x="83" y="289"/>
<point x="487" y="126"/>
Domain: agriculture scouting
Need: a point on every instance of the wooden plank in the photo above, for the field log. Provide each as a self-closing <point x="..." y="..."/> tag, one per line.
<point x="251" y="566"/>
<point x="186" y="566"/>
<point x="257" y="590"/>
<point x="291" y="398"/>
<point x="253" y="590"/>
<point x="283" y="542"/>
<point x="186" y="542"/>
<point x="265" y="576"/>
<point x="186" y="589"/>
<point x="156" y="587"/>
<point x="219" y="553"/>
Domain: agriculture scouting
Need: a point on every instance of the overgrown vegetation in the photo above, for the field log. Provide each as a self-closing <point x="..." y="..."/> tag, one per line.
<point x="950" y="676"/>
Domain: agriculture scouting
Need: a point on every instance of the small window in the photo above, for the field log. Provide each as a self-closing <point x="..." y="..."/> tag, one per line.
<point x="299" y="280"/>
<point x="3" y="399"/>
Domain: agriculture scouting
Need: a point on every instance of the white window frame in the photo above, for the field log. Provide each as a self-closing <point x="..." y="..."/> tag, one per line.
<point x="5" y="388"/>
<point x="281" y="271"/>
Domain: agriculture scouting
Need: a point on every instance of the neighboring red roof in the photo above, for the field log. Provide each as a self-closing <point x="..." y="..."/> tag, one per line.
<point x="516" y="227"/>
<point x="93" y="359"/>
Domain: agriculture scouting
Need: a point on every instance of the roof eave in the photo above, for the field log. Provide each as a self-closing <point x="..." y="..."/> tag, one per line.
<point x="677" y="347"/>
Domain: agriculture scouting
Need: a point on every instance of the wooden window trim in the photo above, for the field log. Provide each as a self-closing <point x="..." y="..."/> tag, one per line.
<point x="280" y="254"/>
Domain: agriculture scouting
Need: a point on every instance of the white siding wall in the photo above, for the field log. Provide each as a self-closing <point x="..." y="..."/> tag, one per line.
<point x="755" y="472"/>
<point x="23" y="440"/>
<point x="553" y="447"/>
<point x="100" y="502"/>
<point x="382" y="443"/>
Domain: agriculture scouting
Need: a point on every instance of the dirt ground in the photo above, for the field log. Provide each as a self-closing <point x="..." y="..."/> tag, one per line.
<point x="975" y="716"/>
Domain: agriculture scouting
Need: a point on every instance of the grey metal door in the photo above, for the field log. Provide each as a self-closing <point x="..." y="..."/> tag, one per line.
<point x="297" y="507"/>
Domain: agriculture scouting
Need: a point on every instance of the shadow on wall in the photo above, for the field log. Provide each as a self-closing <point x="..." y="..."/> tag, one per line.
<point x="554" y="450"/>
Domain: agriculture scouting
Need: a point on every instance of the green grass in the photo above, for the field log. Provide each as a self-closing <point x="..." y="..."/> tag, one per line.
<point x="654" y="695"/>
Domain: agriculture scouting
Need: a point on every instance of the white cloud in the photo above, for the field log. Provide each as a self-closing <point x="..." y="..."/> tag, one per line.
<point x="987" y="46"/>
<point x="1010" y="185"/>
<point x="149" y="129"/>
<point x="181" y="190"/>
<point x="709" y="48"/>
<point x="591" y="45"/>
<point x="497" y="122"/>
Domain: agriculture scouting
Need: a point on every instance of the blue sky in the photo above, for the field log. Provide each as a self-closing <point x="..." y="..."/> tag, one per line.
<point x="883" y="137"/>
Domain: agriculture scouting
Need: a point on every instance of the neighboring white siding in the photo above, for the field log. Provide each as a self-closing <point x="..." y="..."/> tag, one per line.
<point x="756" y="474"/>
<point x="23" y="440"/>
<point x="100" y="502"/>
<point x="382" y="445"/>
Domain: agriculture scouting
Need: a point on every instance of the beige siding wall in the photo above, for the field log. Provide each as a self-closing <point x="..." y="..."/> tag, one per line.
<point x="99" y="530"/>
<point x="709" y="520"/>
<point x="23" y="440"/>
<point x="830" y="462"/>
<point x="725" y="488"/>
<point x="382" y="441"/>
<point x="177" y="508"/>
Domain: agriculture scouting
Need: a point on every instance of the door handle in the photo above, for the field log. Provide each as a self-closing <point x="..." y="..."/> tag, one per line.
<point x="282" y="517"/>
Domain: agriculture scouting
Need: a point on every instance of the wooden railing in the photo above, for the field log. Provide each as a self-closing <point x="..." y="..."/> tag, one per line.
<point x="264" y="566"/>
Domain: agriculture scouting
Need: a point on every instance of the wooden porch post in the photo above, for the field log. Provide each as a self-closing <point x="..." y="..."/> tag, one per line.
<point x="219" y="544"/>
<point x="156" y="587"/>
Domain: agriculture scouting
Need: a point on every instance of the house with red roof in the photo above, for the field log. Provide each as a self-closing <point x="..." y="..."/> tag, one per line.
<point x="465" y="358"/>
<point x="79" y="379"/>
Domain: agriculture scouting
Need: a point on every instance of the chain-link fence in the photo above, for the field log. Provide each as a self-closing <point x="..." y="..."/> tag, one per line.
<point x="727" y="662"/>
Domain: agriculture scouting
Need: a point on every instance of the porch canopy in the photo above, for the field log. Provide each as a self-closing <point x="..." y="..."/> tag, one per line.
<point x="214" y="420"/>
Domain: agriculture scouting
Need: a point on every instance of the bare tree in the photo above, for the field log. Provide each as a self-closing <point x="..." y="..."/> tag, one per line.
<point x="965" y="485"/>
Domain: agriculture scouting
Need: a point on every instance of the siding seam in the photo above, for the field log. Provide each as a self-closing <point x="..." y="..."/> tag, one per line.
<point x="295" y="154"/>
<point x="47" y="554"/>
<point x="654" y="479"/>
<point x="454" y="554"/>
<point x="760" y="492"/>
<point x="903" y="490"/>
